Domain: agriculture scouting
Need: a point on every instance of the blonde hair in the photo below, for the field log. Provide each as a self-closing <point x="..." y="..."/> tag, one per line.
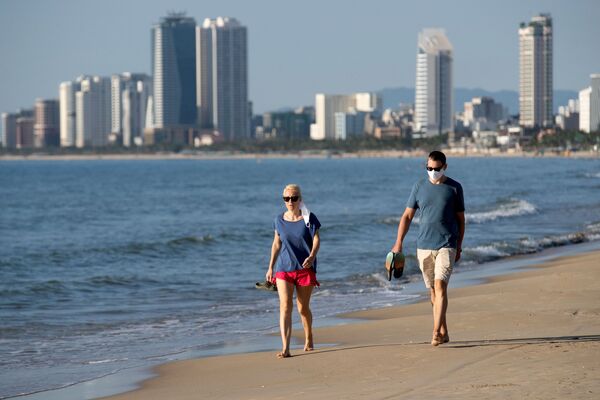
<point x="294" y="188"/>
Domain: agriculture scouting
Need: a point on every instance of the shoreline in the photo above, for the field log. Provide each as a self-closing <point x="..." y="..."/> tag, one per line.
<point x="305" y="154"/>
<point x="330" y="331"/>
<point x="368" y="342"/>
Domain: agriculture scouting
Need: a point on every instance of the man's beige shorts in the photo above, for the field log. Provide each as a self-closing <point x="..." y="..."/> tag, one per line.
<point x="436" y="264"/>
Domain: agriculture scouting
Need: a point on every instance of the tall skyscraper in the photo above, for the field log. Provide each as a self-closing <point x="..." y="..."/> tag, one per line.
<point x="535" y="72"/>
<point x="222" y="76"/>
<point x="130" y="94"/>
<point x="68" y="122"/>
<point x="174" y="71"/>
<point x="433" y="89"/>
<point x="326" y="107"/>
<point x="589" y="106"/>
<point x="93" y="112"/>
<point x="46" y="129"/>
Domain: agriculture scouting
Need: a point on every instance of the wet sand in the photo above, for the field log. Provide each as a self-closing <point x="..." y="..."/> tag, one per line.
<point x="532" y="334"/>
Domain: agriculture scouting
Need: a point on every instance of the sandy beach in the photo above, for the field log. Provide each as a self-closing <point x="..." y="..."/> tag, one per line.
<point x="304" y="154"/>
<point x="531" y="334"/>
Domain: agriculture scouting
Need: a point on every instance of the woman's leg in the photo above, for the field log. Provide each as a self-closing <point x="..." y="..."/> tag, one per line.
<point x="286" y="293"/>
<point x="303" y="294"/>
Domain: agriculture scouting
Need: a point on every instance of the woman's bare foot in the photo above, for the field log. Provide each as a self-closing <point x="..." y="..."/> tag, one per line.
<point x="309" y="347"/>
<point x="284" y="354"/>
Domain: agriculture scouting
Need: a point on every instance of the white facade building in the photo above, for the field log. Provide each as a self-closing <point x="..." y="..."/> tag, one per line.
<point x="130" y="95"/>
<point x="535" y="72"/>
<point x="93" y="112"/>
<point x="433" y="89"/>
<point x="326" y="107"/>
<point x="589" y="106"/>
<point x="585" y="97"/>
<point x="222" y="77"/>
<point x="68" y="123"/>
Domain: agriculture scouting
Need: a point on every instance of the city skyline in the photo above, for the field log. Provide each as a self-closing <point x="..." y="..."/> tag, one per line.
<point x="284" y="68"/>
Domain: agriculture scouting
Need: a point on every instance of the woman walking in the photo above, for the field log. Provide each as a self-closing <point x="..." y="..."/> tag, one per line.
<point x="293" y="264"/>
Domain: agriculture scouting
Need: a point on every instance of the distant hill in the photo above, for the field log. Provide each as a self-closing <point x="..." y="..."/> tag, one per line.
<point x="510" y="98"/>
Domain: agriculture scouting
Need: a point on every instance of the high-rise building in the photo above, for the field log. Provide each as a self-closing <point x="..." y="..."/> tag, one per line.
<point x="25" y="131"/>
<point x="130" y="95"/>
<point x="589" y="106"/>
<point x="17" y="129"/>
<point x="68" y="122"/>
<point x="93" y="112"/>
<point x="46" y="129"/>
<point x="433" y="89"/>
<point x="9" y="130"/>
<point x="222" y="76"/>
<point x="174" y="71"/>
<point x="326" y="107"/>
<point x="535" y="72"/>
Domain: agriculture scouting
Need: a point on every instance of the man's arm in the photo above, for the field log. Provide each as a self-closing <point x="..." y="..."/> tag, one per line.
<point x="460" y="219"/>
<point x="403" y="226"/>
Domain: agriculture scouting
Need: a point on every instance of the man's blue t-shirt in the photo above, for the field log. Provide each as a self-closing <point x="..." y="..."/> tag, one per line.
<point x="296" y="242"/>
<point x="438" y="205"/>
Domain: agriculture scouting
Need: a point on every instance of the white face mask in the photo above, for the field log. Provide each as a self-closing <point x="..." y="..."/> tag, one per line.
<point x="435" y="175"/>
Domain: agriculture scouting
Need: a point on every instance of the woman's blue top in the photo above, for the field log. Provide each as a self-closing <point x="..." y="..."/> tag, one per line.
<point x="296" y="242"/>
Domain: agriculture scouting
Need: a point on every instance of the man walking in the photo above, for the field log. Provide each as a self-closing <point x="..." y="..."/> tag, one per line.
<point x="441" y="231"/>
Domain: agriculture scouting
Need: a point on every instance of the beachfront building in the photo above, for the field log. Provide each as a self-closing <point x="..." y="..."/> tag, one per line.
<point x="433" y="89"/>
<point x="326" y="107"/>
<point x="173" y="71"/>
<point x="93" y="112"/>
<point x="130" y="101"/>
<point x="17" y="129"/>
<point x="567" y="118"/>
<point x="483" y="113"/>
<point x="9" y="130"/>
<point x="24" y="130"/>
<point x="222" y="77"/>
<point x="287" y="124"/>
<point x="46" y="129"/>
<point x="350" y="124"/>
<point x="535" y="72"/>
<point x="68" y="122"/>
<point x="589" y="106"/>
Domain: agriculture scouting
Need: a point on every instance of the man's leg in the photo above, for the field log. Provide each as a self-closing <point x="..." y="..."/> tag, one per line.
<point x="303" y="294"/>
<point x="440" y="305"/>
<point x="286" y="292"/>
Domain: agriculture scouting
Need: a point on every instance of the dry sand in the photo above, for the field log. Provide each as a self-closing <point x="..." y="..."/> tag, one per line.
<point x="533" y="334"/>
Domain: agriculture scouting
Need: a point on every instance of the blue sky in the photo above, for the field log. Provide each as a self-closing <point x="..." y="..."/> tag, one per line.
<point x="296" y="49"/>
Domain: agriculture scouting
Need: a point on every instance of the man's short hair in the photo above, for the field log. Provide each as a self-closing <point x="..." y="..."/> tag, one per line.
<point x="438" y="156"/>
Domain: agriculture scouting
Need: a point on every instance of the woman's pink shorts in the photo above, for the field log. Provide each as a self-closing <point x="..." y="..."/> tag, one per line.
<point x="301" y="277"/>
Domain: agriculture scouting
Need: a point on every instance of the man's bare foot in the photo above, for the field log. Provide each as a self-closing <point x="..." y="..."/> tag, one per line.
<point x="283" y="354"/>
<point x="445" y="338"/>
<point x="309" y="347"/>
<point x="437" y="339"/>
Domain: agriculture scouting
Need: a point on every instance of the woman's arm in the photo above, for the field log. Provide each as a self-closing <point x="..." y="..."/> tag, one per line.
<point x="313" y="253"/>
<point x="275" y="247"/>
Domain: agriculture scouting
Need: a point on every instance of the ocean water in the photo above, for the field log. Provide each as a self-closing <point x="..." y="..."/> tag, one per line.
<point x="109" y="265"/>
